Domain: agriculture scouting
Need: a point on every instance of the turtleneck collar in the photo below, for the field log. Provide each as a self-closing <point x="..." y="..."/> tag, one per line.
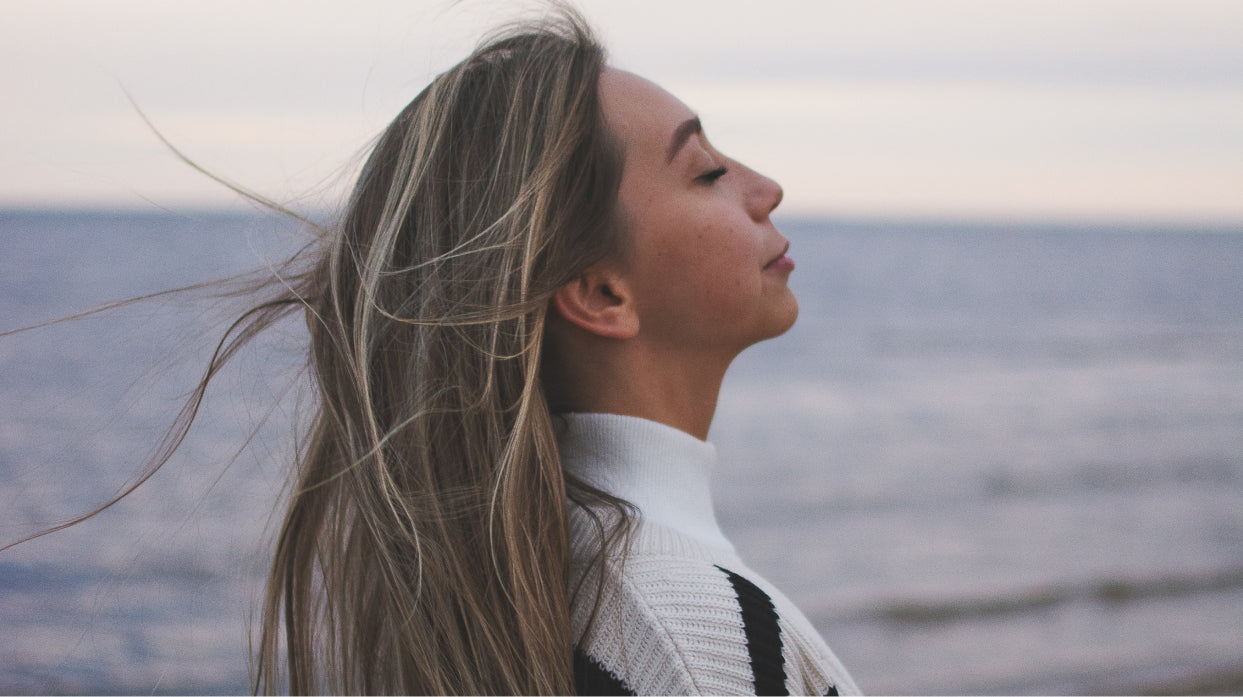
<point x="664" y="472"/>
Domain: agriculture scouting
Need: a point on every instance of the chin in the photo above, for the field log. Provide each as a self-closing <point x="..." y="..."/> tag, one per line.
<point x="789" y="322"/>
<point x="791" y="313"/>
<point x="783" y="319"/>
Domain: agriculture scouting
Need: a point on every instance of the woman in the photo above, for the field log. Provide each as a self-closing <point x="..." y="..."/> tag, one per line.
<point x="518" y="330"/>
<point x="637" y="345"/>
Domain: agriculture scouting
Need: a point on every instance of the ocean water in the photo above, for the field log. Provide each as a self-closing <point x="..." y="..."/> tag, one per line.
<point x="987" y="459"/>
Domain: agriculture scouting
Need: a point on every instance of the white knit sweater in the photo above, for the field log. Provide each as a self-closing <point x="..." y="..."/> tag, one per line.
<point x="678" y="612"/>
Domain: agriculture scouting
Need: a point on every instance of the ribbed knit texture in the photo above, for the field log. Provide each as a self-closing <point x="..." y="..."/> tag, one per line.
<point x="678" y="612"/>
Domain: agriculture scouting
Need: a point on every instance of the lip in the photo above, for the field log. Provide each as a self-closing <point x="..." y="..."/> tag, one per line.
<point x="781" y="262"/>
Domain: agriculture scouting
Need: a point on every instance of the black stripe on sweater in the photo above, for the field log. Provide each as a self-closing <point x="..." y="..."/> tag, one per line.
<point x="591" y="678"/>
<point x="759" y="624"/>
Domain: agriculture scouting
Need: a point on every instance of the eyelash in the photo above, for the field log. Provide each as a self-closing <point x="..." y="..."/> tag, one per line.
<point x="712" y="176"/>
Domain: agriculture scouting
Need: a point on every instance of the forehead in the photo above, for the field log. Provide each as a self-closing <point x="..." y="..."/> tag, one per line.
<point x="641" y="114"/>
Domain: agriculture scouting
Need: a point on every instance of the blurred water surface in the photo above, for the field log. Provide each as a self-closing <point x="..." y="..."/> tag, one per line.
<point x="987" y="459"/>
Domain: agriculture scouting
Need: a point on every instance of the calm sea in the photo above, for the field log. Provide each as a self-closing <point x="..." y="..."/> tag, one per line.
<point x="988" y="458"/>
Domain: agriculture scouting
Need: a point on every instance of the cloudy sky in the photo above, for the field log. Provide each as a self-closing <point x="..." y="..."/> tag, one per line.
<point x="1128" y="110"/>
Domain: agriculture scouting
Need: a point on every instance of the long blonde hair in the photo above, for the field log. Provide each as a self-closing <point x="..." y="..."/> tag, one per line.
<point x="425" y="545"/>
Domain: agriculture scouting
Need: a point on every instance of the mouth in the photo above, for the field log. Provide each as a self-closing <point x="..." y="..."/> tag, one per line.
<point x="781" y="262"/>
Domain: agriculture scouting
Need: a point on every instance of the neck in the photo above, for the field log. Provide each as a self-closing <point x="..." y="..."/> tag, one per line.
<point x="632" y="379"/>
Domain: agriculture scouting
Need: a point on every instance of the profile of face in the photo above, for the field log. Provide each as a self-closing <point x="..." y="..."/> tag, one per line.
<point x="705" y="266"/>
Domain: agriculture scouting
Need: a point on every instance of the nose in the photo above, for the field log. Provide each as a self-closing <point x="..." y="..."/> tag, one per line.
<point x="765" y="195"/>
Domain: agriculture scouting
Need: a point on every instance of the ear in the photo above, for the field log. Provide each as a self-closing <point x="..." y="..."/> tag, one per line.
<point x="599" y="302"/>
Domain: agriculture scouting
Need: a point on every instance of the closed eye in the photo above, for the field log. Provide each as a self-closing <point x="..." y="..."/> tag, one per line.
<point x="710" y="177"/>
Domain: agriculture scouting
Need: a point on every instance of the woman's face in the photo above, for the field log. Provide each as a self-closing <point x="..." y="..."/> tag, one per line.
<point x="705" y="265"/>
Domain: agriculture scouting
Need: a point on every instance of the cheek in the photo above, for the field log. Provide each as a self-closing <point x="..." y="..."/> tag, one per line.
<point x="688" y="257"/>
<point x="715" y="270"/>
<point x="689" y="252"/>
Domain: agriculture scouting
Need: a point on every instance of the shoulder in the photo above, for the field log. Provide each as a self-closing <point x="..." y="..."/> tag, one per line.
<point x="678" y="619"/>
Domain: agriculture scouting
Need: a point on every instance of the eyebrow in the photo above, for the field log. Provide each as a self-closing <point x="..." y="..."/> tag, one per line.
<point x="681" y="134"/>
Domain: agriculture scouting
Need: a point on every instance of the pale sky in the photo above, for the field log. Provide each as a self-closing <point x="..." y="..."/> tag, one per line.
<point x="1127" y="110"/>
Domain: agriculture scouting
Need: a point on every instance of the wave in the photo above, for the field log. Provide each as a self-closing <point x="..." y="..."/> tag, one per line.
<point x="1114" y="591"/>
<point x="1101" y="476"/>
<point x="47" y="578"/>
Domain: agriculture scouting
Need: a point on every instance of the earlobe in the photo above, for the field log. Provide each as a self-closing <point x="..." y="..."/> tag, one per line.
<point x="598" y="303"/>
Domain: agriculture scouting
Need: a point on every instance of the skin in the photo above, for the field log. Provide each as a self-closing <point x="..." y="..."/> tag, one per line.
<point x="651" y="333"/>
